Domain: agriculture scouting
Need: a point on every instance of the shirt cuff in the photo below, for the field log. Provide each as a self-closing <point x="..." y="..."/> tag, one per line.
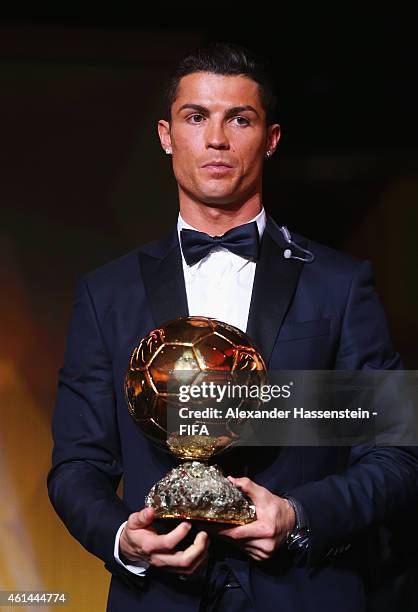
<point x="136" y="567"/>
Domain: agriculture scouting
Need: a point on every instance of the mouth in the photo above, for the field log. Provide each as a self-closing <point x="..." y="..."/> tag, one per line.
<point x="219" y="162"/>
<point x="217" y="167"/>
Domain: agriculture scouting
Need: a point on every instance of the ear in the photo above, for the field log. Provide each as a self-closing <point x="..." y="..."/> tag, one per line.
<point x="164" y="134"/>
<point x="273" y="137"/>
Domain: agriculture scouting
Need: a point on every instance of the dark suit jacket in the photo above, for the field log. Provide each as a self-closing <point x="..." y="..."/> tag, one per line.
<point x="323" y="315"/>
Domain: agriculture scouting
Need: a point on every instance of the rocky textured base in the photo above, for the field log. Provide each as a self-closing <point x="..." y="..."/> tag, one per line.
<point x="194" y="490"/>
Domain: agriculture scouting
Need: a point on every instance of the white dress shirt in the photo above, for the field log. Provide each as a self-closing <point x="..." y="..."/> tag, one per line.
<point x="219" y="286"/>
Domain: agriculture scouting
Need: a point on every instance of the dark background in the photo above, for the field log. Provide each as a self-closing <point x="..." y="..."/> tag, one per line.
<point x="83" y="180"/>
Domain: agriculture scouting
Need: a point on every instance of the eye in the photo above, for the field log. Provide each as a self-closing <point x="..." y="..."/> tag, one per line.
<point x="196" y="118"/>
<point x="241" y="120"/>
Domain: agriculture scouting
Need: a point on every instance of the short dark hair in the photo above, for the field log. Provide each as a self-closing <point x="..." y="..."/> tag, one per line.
<point x="226" y="59"/>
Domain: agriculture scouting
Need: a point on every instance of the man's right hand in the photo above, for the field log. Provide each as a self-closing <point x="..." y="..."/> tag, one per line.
<point x="139" y="541"/>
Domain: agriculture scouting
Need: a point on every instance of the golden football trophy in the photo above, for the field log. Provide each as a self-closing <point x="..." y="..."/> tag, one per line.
<point x="189" y="350"/>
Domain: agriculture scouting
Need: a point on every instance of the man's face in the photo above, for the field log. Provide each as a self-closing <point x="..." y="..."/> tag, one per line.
<point x="218" y="138"/>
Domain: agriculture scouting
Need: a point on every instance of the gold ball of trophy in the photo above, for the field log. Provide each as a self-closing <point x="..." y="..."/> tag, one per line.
<point x="193" y="352"/>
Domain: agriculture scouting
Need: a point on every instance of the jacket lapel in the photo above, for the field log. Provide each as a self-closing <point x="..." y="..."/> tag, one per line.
<point x="162" y="273"/>
<point x="275" y="283"/>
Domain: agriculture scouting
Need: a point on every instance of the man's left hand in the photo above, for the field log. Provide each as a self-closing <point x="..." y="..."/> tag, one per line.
<point x="275" y="521"/>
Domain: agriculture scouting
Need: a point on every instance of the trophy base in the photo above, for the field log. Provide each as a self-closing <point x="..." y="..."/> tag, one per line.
<point x="199" y="492"/>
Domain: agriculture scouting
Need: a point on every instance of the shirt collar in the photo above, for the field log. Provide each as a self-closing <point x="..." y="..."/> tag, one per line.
<point x="238" y="263"/>
<point x="260" y="219"/>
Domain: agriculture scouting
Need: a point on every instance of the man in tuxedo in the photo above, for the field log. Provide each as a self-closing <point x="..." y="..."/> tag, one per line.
<point x="305" y="306"/>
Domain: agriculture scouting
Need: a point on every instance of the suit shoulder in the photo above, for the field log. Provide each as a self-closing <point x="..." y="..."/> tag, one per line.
<point x="123" y="269"/>
<point x="117" y="272"/>
<point x="331" y="260"/>
<point x="328" y="262"/>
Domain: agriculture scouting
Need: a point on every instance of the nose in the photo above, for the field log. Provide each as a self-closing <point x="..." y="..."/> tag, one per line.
<point x="216" y="137"/>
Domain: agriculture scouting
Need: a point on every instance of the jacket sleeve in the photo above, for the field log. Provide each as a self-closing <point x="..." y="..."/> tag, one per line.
<point x="86" y="458"/>
<point x="379" y="481"/>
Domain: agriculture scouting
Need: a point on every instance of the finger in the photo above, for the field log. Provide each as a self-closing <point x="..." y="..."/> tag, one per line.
<point x="246" y="544"/>
<point x="250" y="530"/>
<point x="256" y="550"/>
<point x="142" y="519"/>
<point x="197" y="566"/>
<point x="261" y="547"/>
<point x="248" y="486"/>
<point x="168" y="541"/>
<point x="257" y="556"/>
<point x="252" y="551"/>
<point x="184" y="558"/>
<point x="199" y="547"/>
<point x="201" y="540"/>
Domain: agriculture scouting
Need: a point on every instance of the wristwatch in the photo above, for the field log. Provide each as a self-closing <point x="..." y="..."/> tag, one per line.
<point x="299" y="539"/>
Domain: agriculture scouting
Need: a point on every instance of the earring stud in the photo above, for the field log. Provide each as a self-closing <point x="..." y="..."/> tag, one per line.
<point x="168" y="152"/>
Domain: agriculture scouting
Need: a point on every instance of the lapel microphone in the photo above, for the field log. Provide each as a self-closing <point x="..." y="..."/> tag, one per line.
<point x="288" y="254"/>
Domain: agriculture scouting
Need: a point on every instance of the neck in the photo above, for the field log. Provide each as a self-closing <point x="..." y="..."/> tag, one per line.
<point x="216" y="220"/>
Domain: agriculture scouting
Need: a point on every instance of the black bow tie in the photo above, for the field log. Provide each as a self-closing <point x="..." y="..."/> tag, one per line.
<point x="242" y="240"/>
